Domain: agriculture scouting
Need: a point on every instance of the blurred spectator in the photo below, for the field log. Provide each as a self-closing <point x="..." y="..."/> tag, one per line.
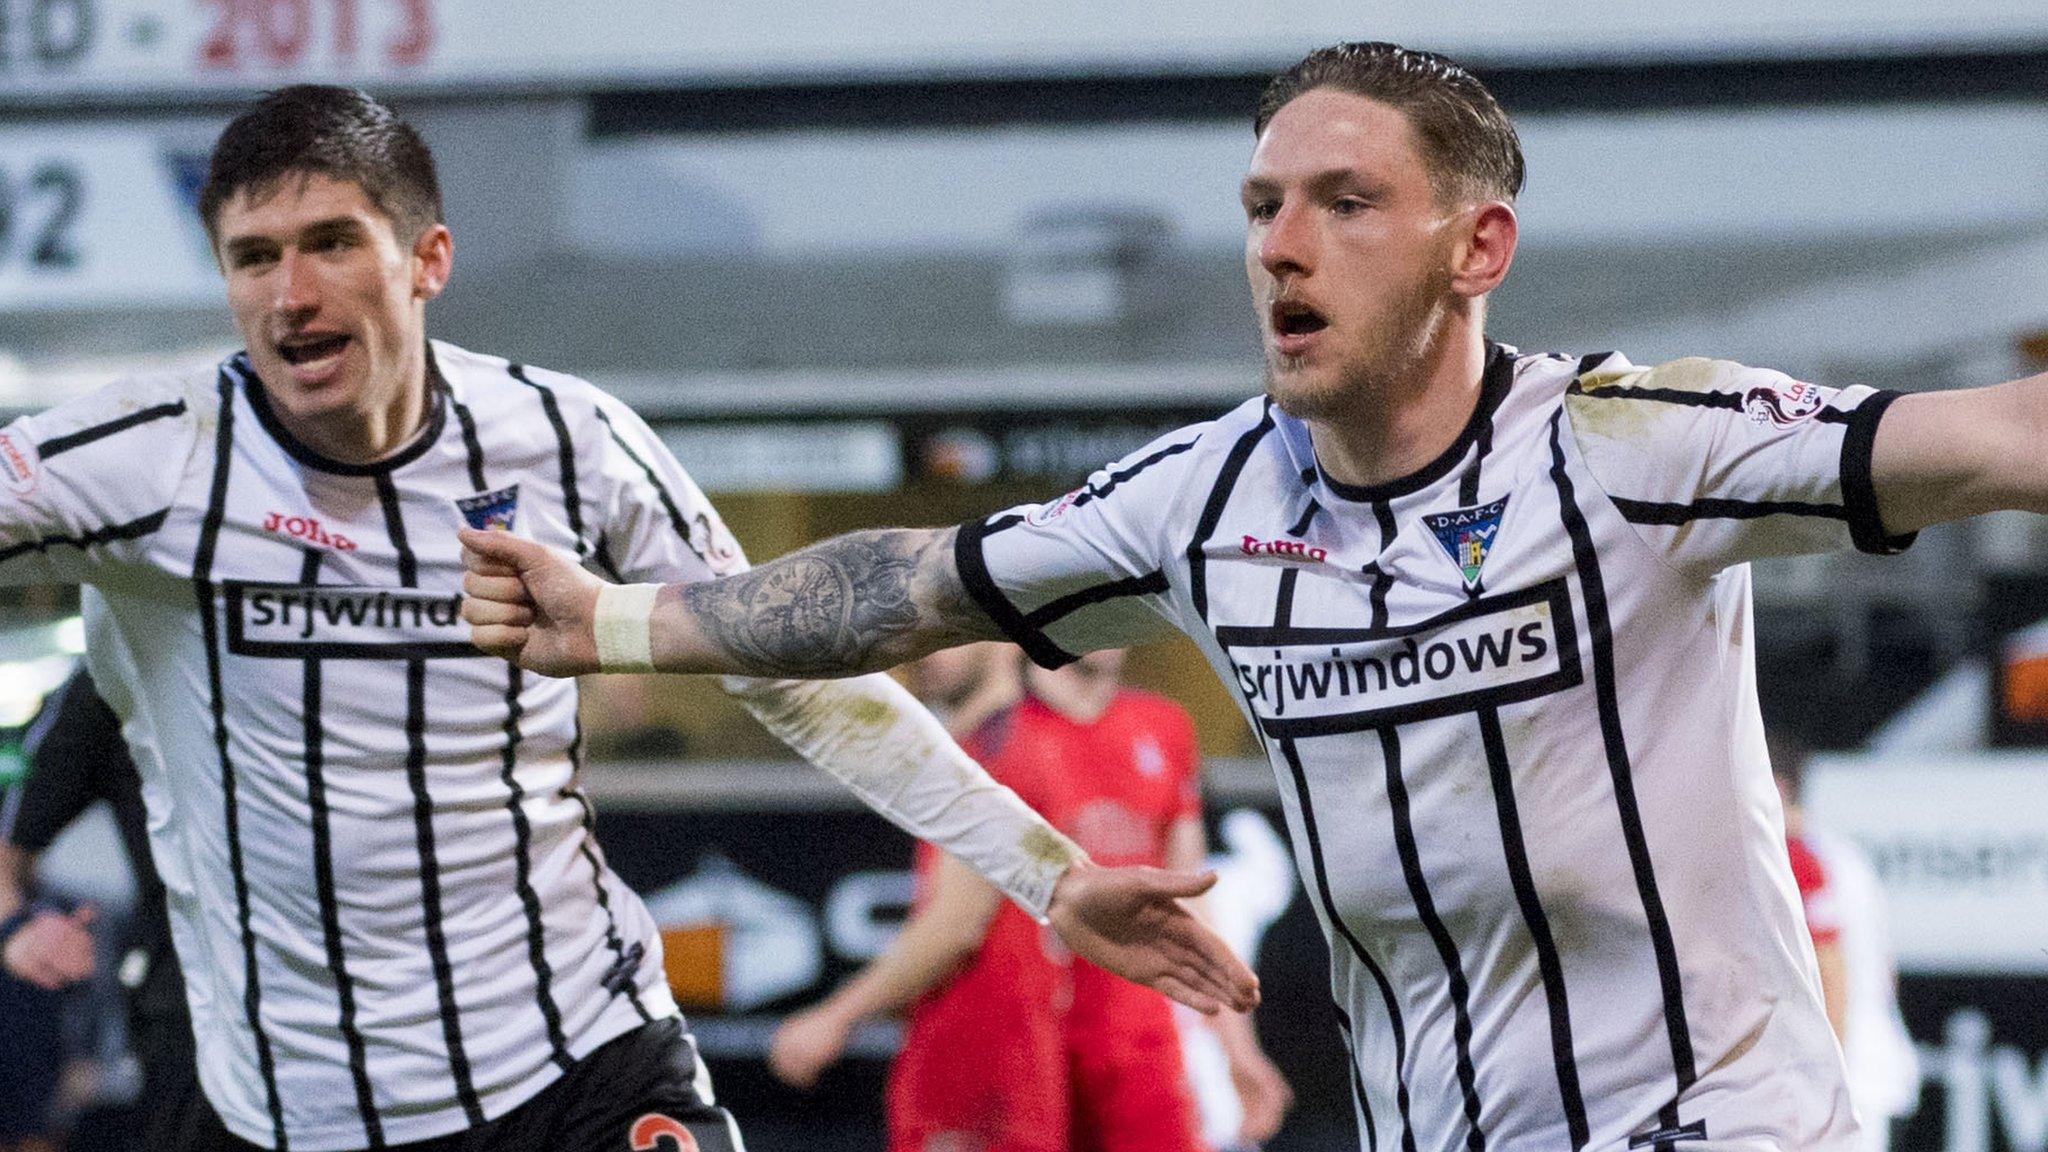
<point x="1845" y="912"/>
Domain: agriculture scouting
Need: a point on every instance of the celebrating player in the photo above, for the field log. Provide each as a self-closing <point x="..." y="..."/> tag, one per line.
<point x="1488" y="612"/>
<point x="394" y="920"/>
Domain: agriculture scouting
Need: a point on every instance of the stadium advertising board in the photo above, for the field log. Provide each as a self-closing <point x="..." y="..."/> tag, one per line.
<point x="97" y="216"/>
<point x="120" y="49"/>
<point x="1960" y="847"/>
<point x="774" y="904"/>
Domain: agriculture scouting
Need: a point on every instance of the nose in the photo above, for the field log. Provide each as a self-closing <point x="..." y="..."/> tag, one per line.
<point x="1287" y="243"/>
<point x="298" y="288"/>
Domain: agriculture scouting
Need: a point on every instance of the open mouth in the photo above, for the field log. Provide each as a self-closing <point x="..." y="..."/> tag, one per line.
<point x="308" y="350"/>
<point x="1291" y="318"/>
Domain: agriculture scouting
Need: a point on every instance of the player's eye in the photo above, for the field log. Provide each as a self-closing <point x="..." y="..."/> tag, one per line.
<point x="1261" y="211"/>
<point x="1349" y="205"/>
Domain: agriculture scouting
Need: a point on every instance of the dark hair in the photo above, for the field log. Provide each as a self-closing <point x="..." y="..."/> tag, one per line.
<point x="1789" y="755"/>
<point x="310" y="129"/>
<point x="1468" y="144"/>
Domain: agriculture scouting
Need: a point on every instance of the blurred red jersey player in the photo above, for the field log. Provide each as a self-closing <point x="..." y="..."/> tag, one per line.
<point x="1024" y="1049"/>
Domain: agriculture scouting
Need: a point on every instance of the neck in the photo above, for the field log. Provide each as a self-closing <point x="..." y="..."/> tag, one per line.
<point x="1412" y="417"/>
<point x="369" y="432"/>
<point x="1080" y="704"/>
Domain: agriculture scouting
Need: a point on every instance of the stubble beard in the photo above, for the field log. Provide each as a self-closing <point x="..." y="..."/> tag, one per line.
<point x="1374" y="372"/>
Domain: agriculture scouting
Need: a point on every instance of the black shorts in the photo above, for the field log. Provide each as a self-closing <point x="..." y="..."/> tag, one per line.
<point x="638" y="1093"/>
<point x="176" y="1116"/>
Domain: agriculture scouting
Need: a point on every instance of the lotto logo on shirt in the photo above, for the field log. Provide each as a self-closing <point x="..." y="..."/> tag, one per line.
<point x="1307" y="681"/>
<point x="1782" y="407"/>
<point x="345" y="622"/>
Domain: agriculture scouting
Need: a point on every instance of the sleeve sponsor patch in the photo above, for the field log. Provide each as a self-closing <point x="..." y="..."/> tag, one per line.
<point x="19" y="462"/>
<point x="1769" y="407"/>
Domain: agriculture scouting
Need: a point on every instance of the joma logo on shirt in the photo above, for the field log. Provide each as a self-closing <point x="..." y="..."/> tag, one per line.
<point x="308" y="529"/>
<point x="1290" y="549"/>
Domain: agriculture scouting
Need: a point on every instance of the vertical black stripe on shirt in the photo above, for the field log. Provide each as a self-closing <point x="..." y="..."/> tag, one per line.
<point x="1446" y="948"/>
<point x="470" y="443"/>
<point x="1337" y="922"/>
<point x="209" y="627"/>
<point x="1537" y="922"/>
<point x="676" y="519"/>
<point x="1212" y="511"/>
<point x="1601" y="630"/>
<point x="1372" y="1133"/>
<point x="323" y="880"/>
<point x="1468" y="484"/>
<point x="1308" y="516"/>
<point x="423" y="820"/>
<point x="601" y="551"/>
<point x="1285" y="601"/>
<point x="515" y="799"/>
<point x="1468" y="488"/>
<point x="565" y="453"/>
<point x="1382" y="580"/>
<point x="522" y="831"/>
<point x="620" y="962"/>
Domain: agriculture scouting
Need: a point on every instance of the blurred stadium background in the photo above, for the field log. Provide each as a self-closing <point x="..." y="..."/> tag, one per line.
<point x="912" y="261"/>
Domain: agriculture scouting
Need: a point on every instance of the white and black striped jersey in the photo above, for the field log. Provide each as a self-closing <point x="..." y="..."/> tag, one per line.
<point x="1511" y="707"/>
<point x="394" y="919"/>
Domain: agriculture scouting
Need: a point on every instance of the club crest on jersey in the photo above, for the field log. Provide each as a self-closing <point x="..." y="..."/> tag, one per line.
<point x="1467" y="535"/>
<point x="1782" y="407"/>
<point x="487" y="510"/>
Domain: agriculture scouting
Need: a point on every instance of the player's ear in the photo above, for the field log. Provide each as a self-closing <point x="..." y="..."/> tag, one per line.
<point x="1485" y="247"/>
<point x="433" y="261"/>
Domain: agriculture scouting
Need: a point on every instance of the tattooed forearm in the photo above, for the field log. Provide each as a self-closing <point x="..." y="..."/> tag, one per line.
<point x="855" y="603"/>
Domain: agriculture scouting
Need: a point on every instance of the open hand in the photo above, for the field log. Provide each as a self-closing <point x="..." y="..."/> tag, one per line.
<point x="1130" y="921"/>
<point x="528" y="603"/>
<point x="805" y="1045"/>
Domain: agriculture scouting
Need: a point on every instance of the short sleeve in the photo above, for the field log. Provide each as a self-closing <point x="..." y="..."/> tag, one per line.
<point x="82" y="483"/>
<point x="658" y="525"/>
<point x="73" y="747"/>
<point x="1715" y="463"/>
<point x="1088" y="570"/>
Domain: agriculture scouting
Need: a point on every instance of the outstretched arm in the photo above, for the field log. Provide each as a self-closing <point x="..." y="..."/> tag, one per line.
<point x="1942" y="456"/>
<point x="856" y="603"/>
<point x="867" y="600"/>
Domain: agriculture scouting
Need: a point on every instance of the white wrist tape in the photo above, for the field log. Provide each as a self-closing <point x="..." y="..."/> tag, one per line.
<point x="873" y="737"/>
<point x="624" y="624"/>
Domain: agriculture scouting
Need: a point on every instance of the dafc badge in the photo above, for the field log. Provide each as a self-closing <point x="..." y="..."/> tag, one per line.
<point x="487" y="510"/>
<point x="1467" y="535"/>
